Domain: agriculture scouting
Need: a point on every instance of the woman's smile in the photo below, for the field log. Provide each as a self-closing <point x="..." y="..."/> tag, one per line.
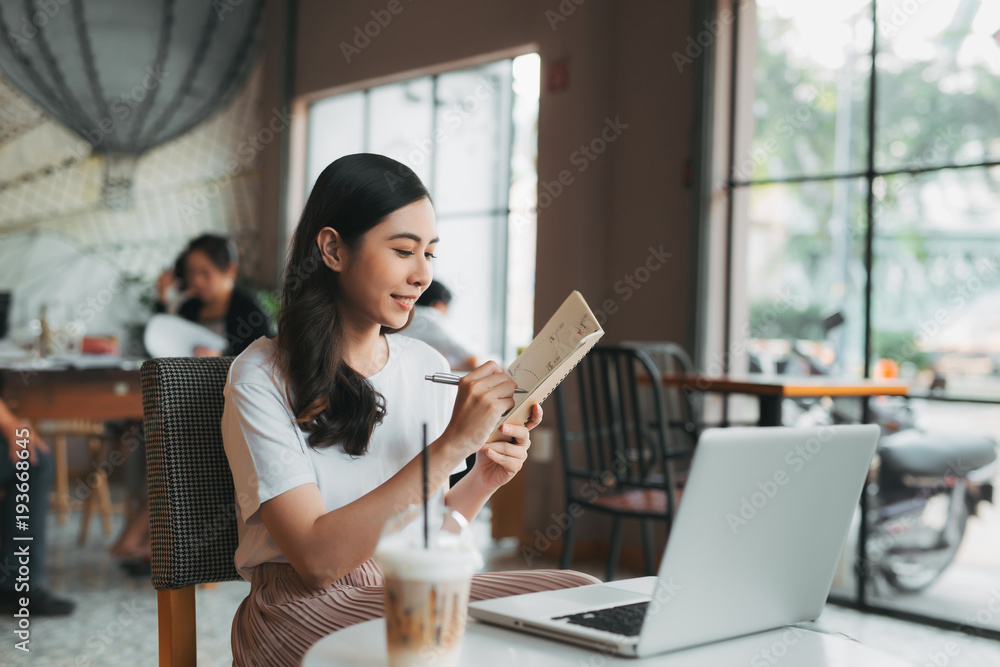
<point x="405" y="302"/>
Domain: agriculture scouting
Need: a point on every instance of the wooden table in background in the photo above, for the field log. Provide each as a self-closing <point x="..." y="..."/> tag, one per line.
<point x="88" y="394"/>
<point x="770" y="390"/>
<point x="94" y="394"/>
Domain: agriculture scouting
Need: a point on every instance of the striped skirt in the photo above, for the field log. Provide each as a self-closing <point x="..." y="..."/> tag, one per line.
<point x="282" y="616"/>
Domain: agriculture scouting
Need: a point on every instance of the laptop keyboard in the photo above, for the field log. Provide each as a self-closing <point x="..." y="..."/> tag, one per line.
<point x="624" y="620"/>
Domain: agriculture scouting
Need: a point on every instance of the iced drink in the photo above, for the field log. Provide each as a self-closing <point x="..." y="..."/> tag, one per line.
<point x="426" y="590"/>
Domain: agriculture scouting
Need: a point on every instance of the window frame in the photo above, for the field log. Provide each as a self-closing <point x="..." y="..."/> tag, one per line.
<point x="723" y="91"/>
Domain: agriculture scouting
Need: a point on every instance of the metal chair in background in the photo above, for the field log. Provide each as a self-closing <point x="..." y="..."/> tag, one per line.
<point x="619" y="461"/>
<point x="682" y="405"/>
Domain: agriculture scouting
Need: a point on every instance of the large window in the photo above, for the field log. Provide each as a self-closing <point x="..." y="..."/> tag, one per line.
<point x="864" y="226"/>
<point x="826" y="137"/>
<point x="471" y="137"/>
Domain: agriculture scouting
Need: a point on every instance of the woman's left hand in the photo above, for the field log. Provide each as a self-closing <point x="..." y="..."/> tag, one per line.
<point x="499" y="460"/>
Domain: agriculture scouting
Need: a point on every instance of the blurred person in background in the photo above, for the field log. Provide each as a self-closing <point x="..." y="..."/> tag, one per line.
<point x="133" y="545"/>
<point x="26" y="478"/>
<point x="430" y="324"/>
<point x="206" y="274"/>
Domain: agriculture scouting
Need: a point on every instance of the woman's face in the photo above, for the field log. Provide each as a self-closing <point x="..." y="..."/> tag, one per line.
<point x="382" y="278"/>
<point x="205" y="280"/>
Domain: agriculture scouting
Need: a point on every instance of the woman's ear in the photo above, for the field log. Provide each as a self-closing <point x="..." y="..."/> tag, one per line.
<point x="332" y="248"/>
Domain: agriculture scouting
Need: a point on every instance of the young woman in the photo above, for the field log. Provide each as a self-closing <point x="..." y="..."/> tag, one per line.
<point x="207" y="270"/>
<point x="323" y="425"/>
<point x="27" y="473"/>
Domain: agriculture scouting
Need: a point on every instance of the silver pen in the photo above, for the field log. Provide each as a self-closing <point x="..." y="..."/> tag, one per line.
<point x="451" y="378"/>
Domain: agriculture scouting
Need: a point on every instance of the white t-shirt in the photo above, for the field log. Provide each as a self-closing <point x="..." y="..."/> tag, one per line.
<point x="268" y="454"/>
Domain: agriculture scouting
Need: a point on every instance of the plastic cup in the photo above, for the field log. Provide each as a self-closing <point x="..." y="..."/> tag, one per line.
<point x="426" y="589"/>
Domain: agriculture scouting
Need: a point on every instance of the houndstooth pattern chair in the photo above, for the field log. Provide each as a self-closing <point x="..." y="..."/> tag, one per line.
<point x="192" y="503"/>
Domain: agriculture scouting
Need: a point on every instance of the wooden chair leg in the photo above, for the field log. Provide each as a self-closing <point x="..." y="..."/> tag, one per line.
<point x="104" y="500"/>
<point x="102" y="487"/>
<point x="99" y="499"/>
<point x="88" y="512"/>
<point x="616" y="544"/>
<point x="89" y="502"/>
<point x="176" y="627"/>
<point x="60" y="501"/>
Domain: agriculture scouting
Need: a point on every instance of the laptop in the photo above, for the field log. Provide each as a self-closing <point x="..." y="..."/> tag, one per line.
<point x="759" y="531"/>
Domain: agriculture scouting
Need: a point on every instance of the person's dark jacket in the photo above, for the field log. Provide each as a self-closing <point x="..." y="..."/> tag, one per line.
<point x="246" y="321"/>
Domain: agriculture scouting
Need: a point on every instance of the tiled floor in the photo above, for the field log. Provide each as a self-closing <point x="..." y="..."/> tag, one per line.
<point x="115" y="621"/>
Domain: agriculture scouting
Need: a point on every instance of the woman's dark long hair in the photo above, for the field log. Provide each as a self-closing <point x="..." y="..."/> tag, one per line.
<point x="330" y="400"/>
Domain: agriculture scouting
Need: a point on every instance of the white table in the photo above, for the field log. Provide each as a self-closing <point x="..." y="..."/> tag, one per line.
<point x="363" y="645"/>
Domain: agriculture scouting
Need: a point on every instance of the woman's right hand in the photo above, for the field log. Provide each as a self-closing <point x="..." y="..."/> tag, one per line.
<point x="484" y="396"/>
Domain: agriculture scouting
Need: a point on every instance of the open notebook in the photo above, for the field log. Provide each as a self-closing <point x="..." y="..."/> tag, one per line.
<point x="564" y="340"/>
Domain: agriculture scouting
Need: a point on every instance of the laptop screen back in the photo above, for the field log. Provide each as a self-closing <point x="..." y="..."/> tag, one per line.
<point x="760" y="528"/>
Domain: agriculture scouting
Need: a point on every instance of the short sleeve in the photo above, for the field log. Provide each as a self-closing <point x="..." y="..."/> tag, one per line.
<point x="262" y="442"/>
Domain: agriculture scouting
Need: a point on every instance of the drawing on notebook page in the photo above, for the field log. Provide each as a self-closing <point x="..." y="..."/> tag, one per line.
<point x="564" y="340"/>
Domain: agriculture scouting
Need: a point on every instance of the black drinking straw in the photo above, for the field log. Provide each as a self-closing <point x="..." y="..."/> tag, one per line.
<point x="423" y="465"/>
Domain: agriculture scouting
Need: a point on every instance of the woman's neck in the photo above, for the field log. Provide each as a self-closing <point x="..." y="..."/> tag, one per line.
<point x="365" y="350"/>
